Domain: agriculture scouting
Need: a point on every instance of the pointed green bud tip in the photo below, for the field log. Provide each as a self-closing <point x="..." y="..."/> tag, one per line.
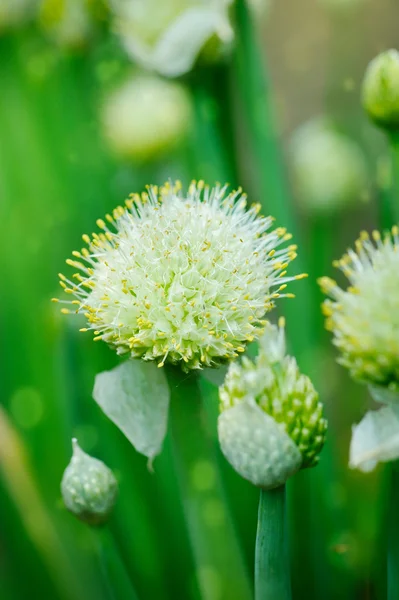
<point x="88" y="487"/>
<point x="271" y="422"/>
<point x="380" y="92"/>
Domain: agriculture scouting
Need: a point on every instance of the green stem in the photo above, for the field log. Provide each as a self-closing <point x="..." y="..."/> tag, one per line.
<point x="220" y="571"/>
<point x="390" y="199"/>
<point x="116" y="579"/>
<point x="272" y="579"/>
<point x="393" y="536"/>
<point x="254" y="92"/>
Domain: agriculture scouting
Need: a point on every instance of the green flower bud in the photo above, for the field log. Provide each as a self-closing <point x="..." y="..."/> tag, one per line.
<point x="89" y="488"/>
<point x="380" y="92"/>
<point x="280" y="426"/>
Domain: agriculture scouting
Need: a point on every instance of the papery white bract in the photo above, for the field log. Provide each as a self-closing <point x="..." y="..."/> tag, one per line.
<point x="375" y="439"/>
<point x="364" y="318"/>
<point x="274" y="384"/>
<point x="183" y="277"/>
<point x="168" y="36"/>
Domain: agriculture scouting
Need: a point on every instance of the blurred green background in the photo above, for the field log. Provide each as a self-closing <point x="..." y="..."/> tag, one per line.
<point x="57" y="176"/>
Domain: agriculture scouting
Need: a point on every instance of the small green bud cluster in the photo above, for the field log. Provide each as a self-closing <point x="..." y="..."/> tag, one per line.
<point x="89" y="488"/>
<point x="273" y="380"/>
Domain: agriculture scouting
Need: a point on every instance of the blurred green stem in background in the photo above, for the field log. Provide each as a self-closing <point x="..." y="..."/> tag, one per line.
<point x="272" y="571"/>
<point x="220" y="570"/>
<point x="255" y="94"/>
<point x="254" y="91"/>
<point x="393" y="535"/>
<point x="116" y="579"/>
<point x="16" y="473"/>
<point x="391" y="213"/>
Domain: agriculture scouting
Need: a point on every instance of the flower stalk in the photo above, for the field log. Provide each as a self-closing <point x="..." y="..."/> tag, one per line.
<point x="272" y="580"/>
<point x="217" y="556"/>
<point x="393" y="536"/>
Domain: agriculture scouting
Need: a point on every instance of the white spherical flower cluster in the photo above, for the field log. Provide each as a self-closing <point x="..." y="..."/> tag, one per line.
<point x="169" y="36"/>
<point x="274" y="383"/>
<point x="183" y="277"/>
<point x="329" y="169"/>
<point x="146" y="116"/>
<point x="364" y="318"/>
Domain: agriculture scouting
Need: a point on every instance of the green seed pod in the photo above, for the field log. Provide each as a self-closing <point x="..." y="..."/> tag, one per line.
<point x="271" y="422"/>
<point x="89" y="488"/>
<point x="380" y="91"/>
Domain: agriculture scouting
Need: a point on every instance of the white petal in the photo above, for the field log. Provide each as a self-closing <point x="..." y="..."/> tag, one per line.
<point x="135" y="396"/>
<point x="384" y="394"/>
<point x="257" y="448"/>
<point x="178" y="48"/>
<point x="375" y="439"/>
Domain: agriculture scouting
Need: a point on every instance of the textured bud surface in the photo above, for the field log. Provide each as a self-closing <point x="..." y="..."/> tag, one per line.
<point x="364" y="318"/>
<point x="381" y="90"/>
<point x="274" y="383"/>
<point x="183" y="277"/>
<point x="89" y="488"/>
<point x="257" y="446"/>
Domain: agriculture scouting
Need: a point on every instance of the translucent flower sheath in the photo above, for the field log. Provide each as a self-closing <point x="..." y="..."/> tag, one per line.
<point x="181" y="277"/>
<point x="274" y="384"/>
<point x="365" y="318"/>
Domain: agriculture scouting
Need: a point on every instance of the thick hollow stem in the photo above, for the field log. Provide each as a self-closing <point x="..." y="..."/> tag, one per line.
<point x="220" y="571"/>
<point x="272" y="577"/>
<point x="393" y="536"/>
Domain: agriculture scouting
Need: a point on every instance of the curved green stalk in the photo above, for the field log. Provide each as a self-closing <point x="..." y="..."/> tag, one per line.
<point x="272" y="579"/>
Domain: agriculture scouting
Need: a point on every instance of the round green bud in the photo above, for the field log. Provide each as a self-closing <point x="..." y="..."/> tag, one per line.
<point x="292" y="435"/>
<point x="380" y="92"/>
<point x="89" y="488"/>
